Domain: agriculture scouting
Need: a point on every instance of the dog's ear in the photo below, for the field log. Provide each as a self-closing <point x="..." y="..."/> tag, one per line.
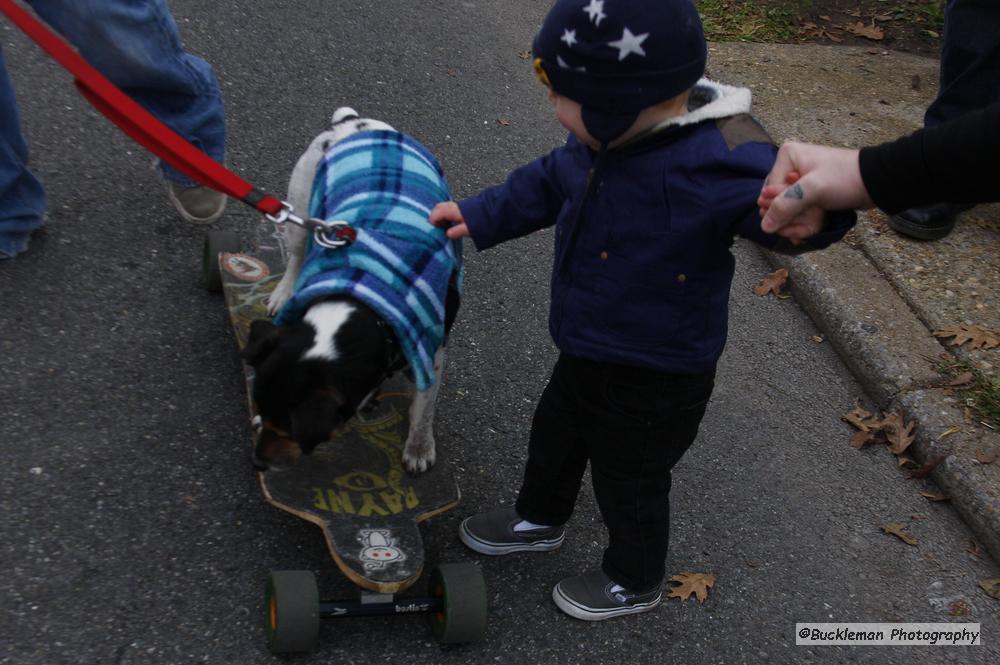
<point x="316" y="417"/>
<point x="264" y="336"/>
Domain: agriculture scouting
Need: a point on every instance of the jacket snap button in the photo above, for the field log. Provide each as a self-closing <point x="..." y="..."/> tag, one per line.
<point x="604" y="256"/>
<point x="682" y="278"/>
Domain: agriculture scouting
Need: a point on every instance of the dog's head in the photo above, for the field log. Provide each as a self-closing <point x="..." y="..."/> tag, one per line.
<point x="310" y="377"/>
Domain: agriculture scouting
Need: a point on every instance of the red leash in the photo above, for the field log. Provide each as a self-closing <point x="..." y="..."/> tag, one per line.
<point x="141" y="125"/>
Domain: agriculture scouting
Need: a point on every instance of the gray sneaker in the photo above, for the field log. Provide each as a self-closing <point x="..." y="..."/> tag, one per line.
<point x="594" y="596"/>
<point x="198" y="205"/>
<point x="493" y="533"/>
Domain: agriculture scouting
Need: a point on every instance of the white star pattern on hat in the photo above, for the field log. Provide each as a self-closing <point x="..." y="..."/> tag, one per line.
<point x="628" y="44"/>
<point x="596" y="11"/>
<point x="569" y="36"/>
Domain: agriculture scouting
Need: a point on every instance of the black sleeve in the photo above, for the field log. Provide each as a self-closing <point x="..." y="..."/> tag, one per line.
<point x="955" y="162"/>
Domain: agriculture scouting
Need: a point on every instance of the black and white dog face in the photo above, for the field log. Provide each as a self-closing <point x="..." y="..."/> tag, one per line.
<point x="311" y="376"/>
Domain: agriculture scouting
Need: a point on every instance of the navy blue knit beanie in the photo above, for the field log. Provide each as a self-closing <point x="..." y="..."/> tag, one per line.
<point x="617" y="57"/>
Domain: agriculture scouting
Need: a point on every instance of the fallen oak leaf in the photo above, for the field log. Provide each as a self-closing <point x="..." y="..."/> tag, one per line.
<point x="898" y="433"/>
<point x="861" y="419"/>
<point x="979" y="338"/>
<point x="872" y="32"/>
<point x="984" y="456"/>
<point x="908" y="462"/>
<point x="897" y="529"/>
<point x="934" y="496"/>
<point x="862" y="438"/>
<point x="692" y="583"/>
<point x="773" y="283"/>
<point x="991" y="586"/>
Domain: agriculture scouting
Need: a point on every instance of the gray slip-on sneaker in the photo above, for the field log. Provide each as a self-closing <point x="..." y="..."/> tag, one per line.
<point x="197" y="205"/>
<point x="493" y="533"/>
<point x="594" y="596"/>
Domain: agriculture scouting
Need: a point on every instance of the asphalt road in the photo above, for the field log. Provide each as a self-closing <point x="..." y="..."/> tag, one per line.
<point x="133" y="527"/>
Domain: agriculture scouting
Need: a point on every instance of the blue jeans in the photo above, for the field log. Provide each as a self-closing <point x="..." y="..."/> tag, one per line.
<point x="970" y="60"/>
<point x="135" y="44"/>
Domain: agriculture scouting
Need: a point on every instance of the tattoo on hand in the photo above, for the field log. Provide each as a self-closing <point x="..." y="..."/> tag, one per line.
<point x="795" y="192"/>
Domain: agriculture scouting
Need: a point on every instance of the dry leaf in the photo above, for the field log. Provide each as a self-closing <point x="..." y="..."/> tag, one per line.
<point x="862" y="438"/>
<point x="963" y="379"/>
<point x="855" y="12"/>
<point x="825" y="18"/>
<point x="926" y="468"/>
<point x="692" y="583"/>
<point x="861" y="419"/>
<point x="501" y="121"/>
<point x="819" y="339"/>
<point x="984" y="456"/>
<point x="867" y="31"/>
<point x="898" y="433"/>
<point x="903" y="460"/>
<point x="979" y="338"/>
<point x="773" y="283"/>
<point x="524" y="55"/>
<point x="991" y="586"/>
<point x="897" y="529"/>
<point x="933" y="496"/>
<point x="882" y="17"/>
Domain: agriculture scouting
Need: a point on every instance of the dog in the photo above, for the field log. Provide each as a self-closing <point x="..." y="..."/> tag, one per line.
<point x="362" y="312"/>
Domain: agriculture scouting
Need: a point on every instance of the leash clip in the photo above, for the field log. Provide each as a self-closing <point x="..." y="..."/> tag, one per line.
<point x="331" y="235"/>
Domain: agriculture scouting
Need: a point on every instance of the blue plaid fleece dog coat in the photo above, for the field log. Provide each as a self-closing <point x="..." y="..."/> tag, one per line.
<point x="384" y="184"/>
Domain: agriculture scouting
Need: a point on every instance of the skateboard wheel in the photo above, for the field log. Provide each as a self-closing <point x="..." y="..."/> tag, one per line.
<point x="463" y="618"/>
<point x="216" y="242"/>
<point x="292" y="607"/>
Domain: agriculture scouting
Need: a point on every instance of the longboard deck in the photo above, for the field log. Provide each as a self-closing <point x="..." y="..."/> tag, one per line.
<point x="353" y="487"/>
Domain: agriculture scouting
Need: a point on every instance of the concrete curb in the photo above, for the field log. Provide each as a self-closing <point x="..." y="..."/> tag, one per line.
<point x="891" y="353"/>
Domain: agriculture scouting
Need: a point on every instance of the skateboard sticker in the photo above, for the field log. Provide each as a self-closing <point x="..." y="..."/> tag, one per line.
<point x="379" y="549"/>
<point x="245" y="268"/>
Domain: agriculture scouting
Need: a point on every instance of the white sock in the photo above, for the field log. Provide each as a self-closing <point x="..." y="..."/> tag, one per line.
<point x="525" y="525"/>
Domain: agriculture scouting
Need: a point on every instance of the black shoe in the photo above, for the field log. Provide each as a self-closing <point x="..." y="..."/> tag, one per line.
<point x="493" y="533"/>
<point x="931" y="222"/>
<point x="594" y="596"/>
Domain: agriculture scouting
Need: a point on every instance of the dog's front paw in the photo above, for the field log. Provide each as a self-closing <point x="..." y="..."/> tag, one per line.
<point x="419" y="454"/>
<point x="278" y="298"/>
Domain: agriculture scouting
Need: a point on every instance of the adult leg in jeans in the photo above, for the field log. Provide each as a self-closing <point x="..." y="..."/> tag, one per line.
<point x="970" y="80"/>
<point x="22" y="200"/>
<point x="135" y="44"/>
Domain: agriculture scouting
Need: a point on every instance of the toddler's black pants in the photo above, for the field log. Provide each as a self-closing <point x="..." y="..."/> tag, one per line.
<point x="633" y="424"/>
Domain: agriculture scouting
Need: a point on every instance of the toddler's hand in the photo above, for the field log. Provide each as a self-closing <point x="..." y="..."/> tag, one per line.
<point x="448" y="216"/>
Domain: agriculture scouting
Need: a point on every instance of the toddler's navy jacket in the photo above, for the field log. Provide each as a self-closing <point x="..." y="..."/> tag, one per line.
<point x="643" y="267"/>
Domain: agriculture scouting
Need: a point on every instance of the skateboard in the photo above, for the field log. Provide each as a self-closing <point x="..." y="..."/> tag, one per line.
<point x="355" y="489"/>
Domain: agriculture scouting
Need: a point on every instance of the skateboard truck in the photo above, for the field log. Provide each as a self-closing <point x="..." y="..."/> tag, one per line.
<point x="456" y="604"/>
<point x="332" y="235"/>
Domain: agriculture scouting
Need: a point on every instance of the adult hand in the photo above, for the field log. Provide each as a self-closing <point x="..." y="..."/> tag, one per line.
<point x="806" y="181"/>
<point x="448" y="216"/>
